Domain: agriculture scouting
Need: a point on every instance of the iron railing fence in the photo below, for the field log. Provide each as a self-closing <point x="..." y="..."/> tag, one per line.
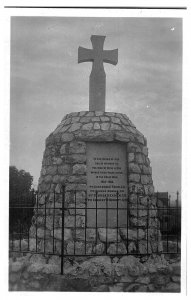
<point x="20" y="236"/>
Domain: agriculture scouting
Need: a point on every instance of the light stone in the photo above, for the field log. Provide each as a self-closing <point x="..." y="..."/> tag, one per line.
<point x="133" y="234"/>
<point x="95" y="119"/>
<point x="105" y="126"/>
<point x="82" y="113"/>
<point x="134" y="168"/>
<point x="74" y="127"/>
<point x="87" y="126"/>
<point x="117" y="248"/>
<point x="134" y="178"/>
<point x="75" y="119"/>
<point x="131" y="157"/>
<point x="67" y="137"/>
<point x="79" y="169"/>
<point x="64" y="128"/>
<point x="115" y="127"/>
<point x="108" y="235"/>
<point x="77" y="147"/>
<point x="65" y="169"/>
<point x="99" y="113"/>
<point x="96" y="126"/>
<point x="104" y="119"/>
<point x="63" y="149"/>
<point x="145" y="179"/>
<point x="115" y="120"/>
<point x="90" y="114"/>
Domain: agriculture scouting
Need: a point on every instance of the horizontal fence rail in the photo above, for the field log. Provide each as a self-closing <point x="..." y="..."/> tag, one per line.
<point x="27" y="236"/>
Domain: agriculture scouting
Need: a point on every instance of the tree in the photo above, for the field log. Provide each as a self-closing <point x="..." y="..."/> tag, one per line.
<point x="20" y="182"/>
<point x="21" y="199"/>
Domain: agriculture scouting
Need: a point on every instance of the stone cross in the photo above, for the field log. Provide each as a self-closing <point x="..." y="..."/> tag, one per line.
<point x="97" y="77"/>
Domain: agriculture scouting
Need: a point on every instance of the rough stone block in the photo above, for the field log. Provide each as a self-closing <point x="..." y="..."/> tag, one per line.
<point x="77" y="147"/>
<point x="78" y="158"/>
<point x="79" y="169"/>
<point x="79" y="210"/>
<point x="16" y="266"/>
<point x="67" y="121"/>
<point x="85" y="119"/>
<point x="56" y="161"/>
<point x="58" y="234"/>
<point x="44" y="187"/>
<point x="176" y="268"/>
<point x="134" y="177"/>
<point x="131" y="157"/>
<point x="82" y="113"/>
<point x="67" y="137"/>
<point x="96" y="126"/>
<point x="136" y="188"/>
<point x="116" y="288"/>
<point x="73" y="114"/>
<point x="138" y="212"/>
<point x="143" y="280"/>
<point x="108" y="235"/>
<point x="87" y="126"/>
<point x="40" y="233"/>
<point x="56" y="179"/>
<point x="99" y="113"/>
<point x="123" y="136"/>
<point x="132" y="247"/>
<point x="139" y="158"/>
<point x="52" y="170"/>
<point x="115" y="120"/>
<point x="75" y="119"/>
<point x="37" y="259"/>
<point x="172" y="287"/>
<point x="51" y="269"/>
<point x="105" y="126"/>
<point x="79" y="234"/>
<point x="76" y="248"/>
<point x="115" y="127"/>
<point x="74" y="127"/>
<point x="105" y="119"/>
<point x="99" y="248"/>
<point x="117" y="248"/>
<point x="146" y="170"/>
<point x="63" y="149"/>
<point x="138" y="222"/>
<point x="69" y="221"/>
<point x="144" y="247"/>
<point x="146" y="179"/>
<point x="133" y="234"/>
<point x="176" y="279"/>
<point x="90" y="234"/>
<point x="64" y="170"/>
<point x="134" y="168"/>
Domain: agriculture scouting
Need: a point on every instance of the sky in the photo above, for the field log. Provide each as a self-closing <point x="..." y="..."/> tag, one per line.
<point x="47" y="83"/>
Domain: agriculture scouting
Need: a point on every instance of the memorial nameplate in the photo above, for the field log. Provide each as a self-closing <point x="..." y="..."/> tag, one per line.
<point x="107" y="175"/>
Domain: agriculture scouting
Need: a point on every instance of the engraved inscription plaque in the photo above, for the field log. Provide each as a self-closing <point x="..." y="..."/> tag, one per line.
<point x="106" y="175"/>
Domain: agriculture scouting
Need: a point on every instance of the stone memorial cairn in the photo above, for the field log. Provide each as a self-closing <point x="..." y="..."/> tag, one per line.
<point x="65" y="164"/>
<point x="110" y="253"/>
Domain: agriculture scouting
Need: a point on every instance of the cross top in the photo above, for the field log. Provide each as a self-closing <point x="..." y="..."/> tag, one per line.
<point x="97" y="82"/>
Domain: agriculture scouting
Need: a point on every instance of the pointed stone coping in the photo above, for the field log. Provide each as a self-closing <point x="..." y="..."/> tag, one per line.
<point x="96" y="126"/>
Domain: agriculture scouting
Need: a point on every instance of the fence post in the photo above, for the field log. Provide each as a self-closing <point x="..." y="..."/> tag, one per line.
<point x="62" y="242"/>
<point x="177" y="216"/>
<point x="148" y="225"/>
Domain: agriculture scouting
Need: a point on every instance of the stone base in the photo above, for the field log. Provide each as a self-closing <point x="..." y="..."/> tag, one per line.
<point x="97" y="274"/>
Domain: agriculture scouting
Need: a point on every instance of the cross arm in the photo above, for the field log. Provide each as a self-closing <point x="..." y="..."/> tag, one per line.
<point x="84" y="55"/>
<point x="110" y="56"/>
